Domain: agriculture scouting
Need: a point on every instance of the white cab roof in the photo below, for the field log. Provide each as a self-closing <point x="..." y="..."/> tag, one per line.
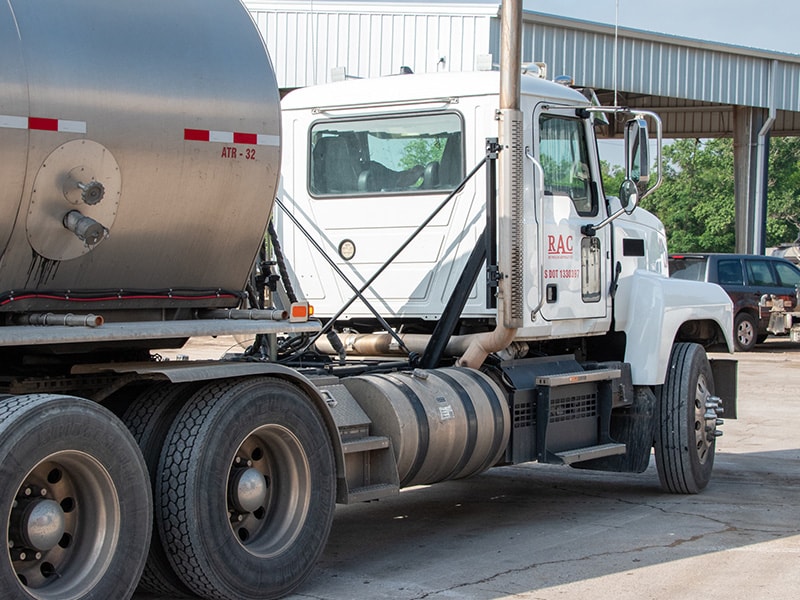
<point x="416" y="87"/>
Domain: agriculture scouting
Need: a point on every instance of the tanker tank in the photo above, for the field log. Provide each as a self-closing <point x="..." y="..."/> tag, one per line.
<point x="140" y="155"/>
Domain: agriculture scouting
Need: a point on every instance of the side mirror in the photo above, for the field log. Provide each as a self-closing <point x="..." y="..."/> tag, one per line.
<point x="637" y="155"/>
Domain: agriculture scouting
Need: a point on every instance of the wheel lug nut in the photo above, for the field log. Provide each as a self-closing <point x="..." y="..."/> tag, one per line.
<point x="18" y="554"/>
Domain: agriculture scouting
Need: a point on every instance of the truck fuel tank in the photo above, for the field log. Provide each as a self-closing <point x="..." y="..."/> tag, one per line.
<point x="444" y="424"/>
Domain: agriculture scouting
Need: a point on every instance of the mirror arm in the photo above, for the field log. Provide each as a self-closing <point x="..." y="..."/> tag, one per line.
<point x="590" y="230"/>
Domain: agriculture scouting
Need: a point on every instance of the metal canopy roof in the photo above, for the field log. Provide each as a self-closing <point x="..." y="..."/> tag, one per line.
<point x="693" y="84"/>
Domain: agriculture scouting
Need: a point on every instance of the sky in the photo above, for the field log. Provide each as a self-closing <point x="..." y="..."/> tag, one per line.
<point x="766" y="24"/>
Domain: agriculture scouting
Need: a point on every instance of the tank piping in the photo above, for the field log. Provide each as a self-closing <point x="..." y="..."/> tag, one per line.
<point x="252" y="314"/>
<point x="51" y="319"/>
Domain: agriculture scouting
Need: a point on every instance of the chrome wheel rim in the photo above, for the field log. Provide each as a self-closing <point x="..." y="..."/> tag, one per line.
<point x="63" y="526"/>
<point x="703" y="441"/>
<point x="269" y="491"/>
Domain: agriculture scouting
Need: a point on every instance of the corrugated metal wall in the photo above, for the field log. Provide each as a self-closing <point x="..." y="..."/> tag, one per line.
<point x="307" y="39"/>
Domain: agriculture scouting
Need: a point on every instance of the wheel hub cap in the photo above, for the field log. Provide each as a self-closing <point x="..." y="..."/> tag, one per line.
<point x="249" y="490"/>
<point x="43" y="524"/>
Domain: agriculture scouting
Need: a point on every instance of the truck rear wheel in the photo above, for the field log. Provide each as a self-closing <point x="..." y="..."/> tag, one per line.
<point x="684" y="447"/>
<point x="247" y="486"/>
<point x="76" y="500"/>
<point x="149" y="418"/>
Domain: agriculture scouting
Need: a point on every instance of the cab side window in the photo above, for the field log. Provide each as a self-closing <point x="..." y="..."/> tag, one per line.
<point x="386" y="155"/>
<point x="564" y="157"/>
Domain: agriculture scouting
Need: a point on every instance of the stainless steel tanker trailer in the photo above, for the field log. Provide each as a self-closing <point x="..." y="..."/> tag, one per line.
<point x="141" y="153"/>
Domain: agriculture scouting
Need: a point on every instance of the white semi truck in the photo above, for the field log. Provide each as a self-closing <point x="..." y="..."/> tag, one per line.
<point x="528" y="318"/>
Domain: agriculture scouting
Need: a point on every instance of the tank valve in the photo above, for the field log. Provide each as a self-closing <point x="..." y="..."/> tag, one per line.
<point x="89" y="231"/>
<point x="92" y="192"/>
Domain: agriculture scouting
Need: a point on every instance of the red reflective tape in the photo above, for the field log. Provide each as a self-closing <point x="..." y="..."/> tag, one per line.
<point x="195" y="135"/>
<point x="245" y="138"/>
<point x="43" y="124"/>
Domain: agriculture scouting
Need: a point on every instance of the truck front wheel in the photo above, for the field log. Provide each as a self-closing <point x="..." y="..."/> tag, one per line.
<point x="684" y="445"/>
<point x="247" y="489"/>
<point x="75" y="500"/>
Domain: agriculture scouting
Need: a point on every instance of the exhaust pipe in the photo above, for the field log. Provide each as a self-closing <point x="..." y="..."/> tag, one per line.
<point x="510" y="195"/>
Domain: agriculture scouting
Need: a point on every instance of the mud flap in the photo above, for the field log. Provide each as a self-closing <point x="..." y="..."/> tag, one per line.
<point x="635" y="427"/>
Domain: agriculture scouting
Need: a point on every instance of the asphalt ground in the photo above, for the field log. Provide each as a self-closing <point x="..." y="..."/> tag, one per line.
<point x="541" y="532"/>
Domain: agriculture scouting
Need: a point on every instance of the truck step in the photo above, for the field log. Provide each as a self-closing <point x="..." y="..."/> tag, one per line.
<point x="366" y="444"/>
<point x="372" y="492"/>
<point x="580" y="454"/>
<point x="577" y="377"/>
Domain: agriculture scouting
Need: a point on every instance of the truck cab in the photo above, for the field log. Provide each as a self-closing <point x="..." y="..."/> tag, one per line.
<point x="362" y="176"/>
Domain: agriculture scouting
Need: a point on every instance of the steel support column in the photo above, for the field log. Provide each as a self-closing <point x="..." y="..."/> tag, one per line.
<point x="750" y="226"/>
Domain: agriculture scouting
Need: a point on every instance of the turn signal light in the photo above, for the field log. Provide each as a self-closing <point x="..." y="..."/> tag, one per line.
<point x="300" y="312"/>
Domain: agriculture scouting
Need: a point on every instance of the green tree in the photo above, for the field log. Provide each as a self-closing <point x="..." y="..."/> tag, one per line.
<point x="783" y="191"/>
<point x="613" y="176"/>
<point x="696" y="201"/>
<point x="421" y="151"/>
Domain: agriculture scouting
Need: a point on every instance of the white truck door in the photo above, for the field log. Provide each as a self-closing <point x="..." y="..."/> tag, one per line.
<point x="575" y="271"/>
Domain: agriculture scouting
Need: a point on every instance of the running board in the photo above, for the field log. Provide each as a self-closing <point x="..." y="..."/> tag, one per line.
<point x="569" y="457"/>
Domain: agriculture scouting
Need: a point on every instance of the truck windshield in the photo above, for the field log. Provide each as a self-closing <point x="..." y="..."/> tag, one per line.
<point x="387" y="155"/>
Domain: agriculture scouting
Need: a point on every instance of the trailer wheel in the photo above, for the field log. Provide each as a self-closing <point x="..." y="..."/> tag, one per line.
<point x="75" y="499"/>
<point x="247" y="486"/>
<point x="745" y="332"/>
<point x="149" y="418"/>
<point x="684" y="445"/>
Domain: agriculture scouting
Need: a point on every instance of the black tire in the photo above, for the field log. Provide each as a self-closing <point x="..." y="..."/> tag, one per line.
<point x="71" y="464"/>
<point x="149" y="418"/>
<point x="237" y="530"/>
<point x="745" y="332"/>
<point x="684" y="448"/>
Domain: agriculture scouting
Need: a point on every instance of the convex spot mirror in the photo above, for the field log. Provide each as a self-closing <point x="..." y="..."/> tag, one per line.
<point x="628" y="195"/>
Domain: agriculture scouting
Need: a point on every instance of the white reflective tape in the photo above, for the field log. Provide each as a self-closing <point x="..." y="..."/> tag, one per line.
<point x="268" y="140"/>
<point x="10" y="122"/>
<point x="225" y="137"/>
<point x="72" y="126"/>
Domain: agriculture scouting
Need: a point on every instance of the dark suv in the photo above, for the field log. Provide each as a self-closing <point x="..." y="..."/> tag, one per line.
<point x="746" y="278"/>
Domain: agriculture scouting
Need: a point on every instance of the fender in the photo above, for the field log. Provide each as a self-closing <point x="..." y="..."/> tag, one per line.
<point x="186" y="371"/>
<point x="650" y="308"/>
